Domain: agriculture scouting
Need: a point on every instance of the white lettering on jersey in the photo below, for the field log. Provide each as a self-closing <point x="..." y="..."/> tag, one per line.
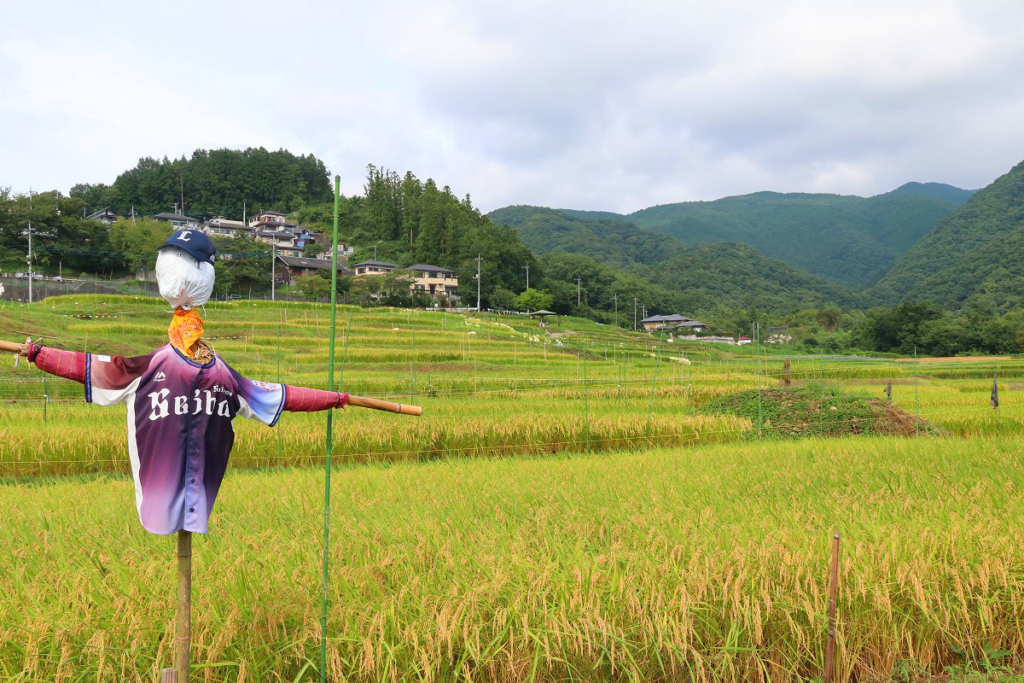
<point x="211" y="401"/>
<point x="159" y="404"/>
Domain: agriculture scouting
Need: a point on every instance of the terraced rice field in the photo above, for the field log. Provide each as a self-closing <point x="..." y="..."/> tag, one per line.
<point x="633" y="536"/>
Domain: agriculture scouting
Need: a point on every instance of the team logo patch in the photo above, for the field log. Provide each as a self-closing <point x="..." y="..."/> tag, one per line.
<point x="160" y="376"/>
<point x="265" y="386"/>
<point x="104" y="359"/>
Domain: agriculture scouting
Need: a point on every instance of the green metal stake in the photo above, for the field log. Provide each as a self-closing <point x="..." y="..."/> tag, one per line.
<point x="757" y="336"/>
<point x="344" y="353"/>
<point x="650" y="405"/>
<point x="586" y="408"/>
<point x="821" y="406"/>
<point x="412" y="367"/>
<point x="917" y="403"/>
<point x="330" y="426"/>
<point x="278" y="425"/>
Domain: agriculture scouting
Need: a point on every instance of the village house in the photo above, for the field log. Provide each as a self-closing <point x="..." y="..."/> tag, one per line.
<point x="435" y="281"/>
<point x="289" y="268"/>
<point x="373" y="268"/>
<point x="218" y="226"/>
<point x="269" y="220"/>
<point x="178" y="221"/>
<point x="675" y="322"/>
<point x="104" y="216"/>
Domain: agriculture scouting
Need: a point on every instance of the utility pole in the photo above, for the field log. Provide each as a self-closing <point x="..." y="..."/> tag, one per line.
<point x="634" y="313"/>
<point x="616" y="297"/>
<point x="578" y="291"/>
<point x="478" y="260"/>
<point x="273" y="271"/>
<point x="527" y="266"/>
<point x="181" y="186"/>
<point x="175" y="208"/>
<point x="133" y="215"/>
<point x="243" y="213"/>
<point x="30" y="245"/>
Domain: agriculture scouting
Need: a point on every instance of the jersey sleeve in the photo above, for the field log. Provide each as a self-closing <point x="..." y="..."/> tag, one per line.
<point x="108" y="380"/>
<point x="258" y="400"/>
<point x="303" y="400"/>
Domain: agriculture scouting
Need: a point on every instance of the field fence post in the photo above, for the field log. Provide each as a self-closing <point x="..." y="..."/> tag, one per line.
<point x="650" y="404"/>
<point x="917" y="402"/>
<point x="833" y="590"/>
<point x="46" y="398"/>
<point x="586" y="407"/>
<point x="168" y="676"/>
<point x="757" y="350"/>
<point x="412" y="367"/>
<point x="785" y="372"/>
<point x="821" y="404"/>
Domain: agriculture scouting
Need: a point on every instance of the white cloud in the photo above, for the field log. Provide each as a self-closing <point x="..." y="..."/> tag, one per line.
<point x="598" y="105"/>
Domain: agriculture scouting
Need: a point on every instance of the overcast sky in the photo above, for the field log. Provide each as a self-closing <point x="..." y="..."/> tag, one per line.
<point x="591" y="105"/>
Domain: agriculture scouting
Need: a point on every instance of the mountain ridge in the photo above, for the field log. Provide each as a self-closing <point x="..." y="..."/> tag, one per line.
<point x="847" y="239"/>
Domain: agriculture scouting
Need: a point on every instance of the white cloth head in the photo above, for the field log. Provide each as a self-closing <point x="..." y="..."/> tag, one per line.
<point x="184" y="282"/>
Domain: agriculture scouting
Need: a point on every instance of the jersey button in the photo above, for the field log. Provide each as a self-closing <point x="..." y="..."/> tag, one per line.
<point x="191" y="509"/>
<point x="192" y="480"/>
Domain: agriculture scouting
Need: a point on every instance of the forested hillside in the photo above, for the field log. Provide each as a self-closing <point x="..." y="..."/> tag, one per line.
<point x="974" y="255"/>
<point x="850" y="240"/>
<point x="218" y="182"/>
<point x="706" y="278"/>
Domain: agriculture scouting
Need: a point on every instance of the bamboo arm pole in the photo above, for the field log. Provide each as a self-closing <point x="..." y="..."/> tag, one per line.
<point x="377" y="404"/>
<point x="13" y="347"/>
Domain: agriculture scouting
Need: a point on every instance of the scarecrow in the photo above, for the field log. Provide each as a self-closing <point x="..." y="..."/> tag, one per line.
<point x="181" y="400"/>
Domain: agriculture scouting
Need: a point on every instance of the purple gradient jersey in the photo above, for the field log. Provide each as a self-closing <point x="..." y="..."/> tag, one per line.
<point x="179" y="428"/>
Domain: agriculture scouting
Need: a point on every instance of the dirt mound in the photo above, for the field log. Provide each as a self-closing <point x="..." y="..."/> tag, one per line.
<point x="804" y="411"/>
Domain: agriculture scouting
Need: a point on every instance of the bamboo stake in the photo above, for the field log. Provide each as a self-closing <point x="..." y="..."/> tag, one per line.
<point x="183" y="625"/>
<point x="833" y="589"/>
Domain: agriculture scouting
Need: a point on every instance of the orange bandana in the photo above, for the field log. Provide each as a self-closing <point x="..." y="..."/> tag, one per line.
<point x="185" y="330"/>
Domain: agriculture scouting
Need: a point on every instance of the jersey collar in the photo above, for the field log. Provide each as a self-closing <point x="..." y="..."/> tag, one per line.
<point x="192" y="362"/>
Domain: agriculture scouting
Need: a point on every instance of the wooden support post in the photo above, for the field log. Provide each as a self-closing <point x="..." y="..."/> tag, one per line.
<point x="183" y="627"/>
<point x="833" y="589"/>
<point x="168" y="676"/>
<point x="785" y="373"/>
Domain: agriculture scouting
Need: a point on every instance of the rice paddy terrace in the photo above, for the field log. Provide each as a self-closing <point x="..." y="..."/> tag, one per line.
<point x="665" y="516"/>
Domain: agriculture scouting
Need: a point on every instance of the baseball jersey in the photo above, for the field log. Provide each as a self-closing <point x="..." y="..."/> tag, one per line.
<point x="180" y="416"/>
